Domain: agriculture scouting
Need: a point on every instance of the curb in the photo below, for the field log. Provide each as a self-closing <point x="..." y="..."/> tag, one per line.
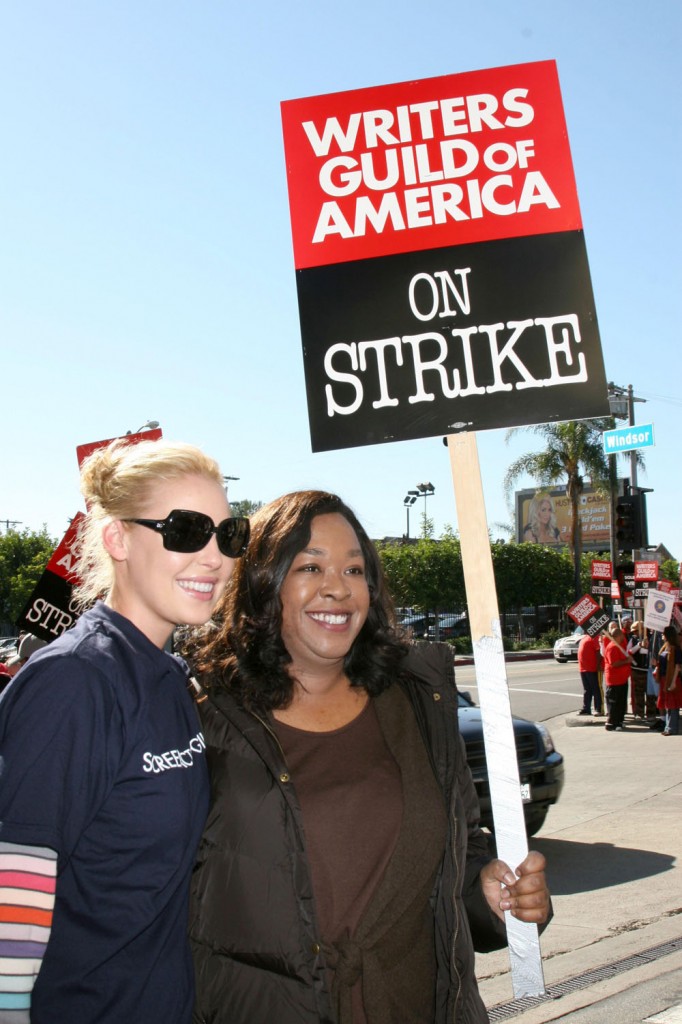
<point x="632" y="725"/>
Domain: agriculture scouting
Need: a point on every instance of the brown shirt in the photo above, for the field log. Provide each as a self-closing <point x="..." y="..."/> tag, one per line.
<point x="384" y="971"/>
<point x="349" y="788"/>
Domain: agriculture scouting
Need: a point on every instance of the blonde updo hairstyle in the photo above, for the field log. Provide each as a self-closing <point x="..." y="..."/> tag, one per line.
<point x="118" y="482"/>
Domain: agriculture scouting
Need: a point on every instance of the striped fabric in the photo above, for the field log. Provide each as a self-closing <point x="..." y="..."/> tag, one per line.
<point x="27" y="887"/>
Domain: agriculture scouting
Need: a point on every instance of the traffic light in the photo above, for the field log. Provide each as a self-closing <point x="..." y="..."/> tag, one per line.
<point x="630" y="522"/>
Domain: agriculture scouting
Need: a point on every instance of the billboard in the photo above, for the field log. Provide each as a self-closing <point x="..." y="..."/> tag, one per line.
<point x="441" y="267"/>
<point x="545" y="516"/>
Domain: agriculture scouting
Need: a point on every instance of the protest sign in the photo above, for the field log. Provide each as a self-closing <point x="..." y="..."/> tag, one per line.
<point x="602" y="573"/>
<point x="50" y="611"/>
<point x="646" y="570"/>
<point x="587" y="614"/>
<point x="658" y="610"/>
<point x="582" y="609"/>
<point x="441" y="269"/>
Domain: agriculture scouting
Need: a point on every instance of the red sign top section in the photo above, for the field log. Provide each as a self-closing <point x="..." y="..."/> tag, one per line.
<point x="84" y="450"/>
<point x="646" y="570"/>
<point x="582" y="609"/>
<point x="601" y="570"/>
<point x="64" y="558"/>
<point x="427" y="164"/>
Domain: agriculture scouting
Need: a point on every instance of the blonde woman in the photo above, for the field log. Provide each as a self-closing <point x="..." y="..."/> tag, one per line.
<point x="104" y="788"/>
<point x="541" y="527"/>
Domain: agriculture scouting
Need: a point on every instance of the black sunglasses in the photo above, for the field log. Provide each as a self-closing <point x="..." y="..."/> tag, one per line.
<point x="188" y="532"/>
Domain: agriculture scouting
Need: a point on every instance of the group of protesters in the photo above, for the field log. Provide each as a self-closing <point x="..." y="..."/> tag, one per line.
<point x="628" y="657"/>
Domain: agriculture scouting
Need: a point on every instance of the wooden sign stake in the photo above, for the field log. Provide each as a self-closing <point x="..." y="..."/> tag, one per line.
<point x="493" y="693"/>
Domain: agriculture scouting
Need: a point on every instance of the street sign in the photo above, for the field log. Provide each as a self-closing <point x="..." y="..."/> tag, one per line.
<point x="625" y="439"/>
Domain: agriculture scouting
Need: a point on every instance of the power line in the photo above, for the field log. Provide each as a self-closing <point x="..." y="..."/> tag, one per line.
<point x="661" y="398"/>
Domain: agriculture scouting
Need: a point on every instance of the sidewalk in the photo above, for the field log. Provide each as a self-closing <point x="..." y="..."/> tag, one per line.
<point x="614" y="949"/>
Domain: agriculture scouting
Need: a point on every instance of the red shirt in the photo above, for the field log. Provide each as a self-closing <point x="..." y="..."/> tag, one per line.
<point x="615" y="676"/>
<point x="588" y="654"/>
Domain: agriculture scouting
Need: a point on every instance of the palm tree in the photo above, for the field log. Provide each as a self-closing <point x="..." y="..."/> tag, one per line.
<point x="572" y="450"/>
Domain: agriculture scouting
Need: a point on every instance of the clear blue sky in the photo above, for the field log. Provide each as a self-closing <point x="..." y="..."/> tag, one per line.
<point x="146" y="269"/>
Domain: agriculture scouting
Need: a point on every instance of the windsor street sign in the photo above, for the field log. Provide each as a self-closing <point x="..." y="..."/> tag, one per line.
<point x="626" y="439"/>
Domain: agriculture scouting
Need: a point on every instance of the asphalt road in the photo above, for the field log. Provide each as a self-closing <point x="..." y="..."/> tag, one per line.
<point x="539" y="690"/>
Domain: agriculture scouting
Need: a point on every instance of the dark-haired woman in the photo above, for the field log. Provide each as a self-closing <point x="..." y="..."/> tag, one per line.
<point x="342" y="866"/>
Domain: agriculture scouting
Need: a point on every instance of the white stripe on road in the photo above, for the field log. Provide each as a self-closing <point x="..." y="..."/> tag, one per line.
<point x="523" y="689"/>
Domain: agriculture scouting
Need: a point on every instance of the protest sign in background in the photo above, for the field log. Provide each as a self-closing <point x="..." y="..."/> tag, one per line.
<point x="658" y="610"/>
<point x="50" y="611"/>
<point x="587" y="614"/>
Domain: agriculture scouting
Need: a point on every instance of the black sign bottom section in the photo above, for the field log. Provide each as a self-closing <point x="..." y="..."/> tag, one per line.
<point x="49" y="612"/>
<point x="596" y="623"/>
<point x="470" y="337"/>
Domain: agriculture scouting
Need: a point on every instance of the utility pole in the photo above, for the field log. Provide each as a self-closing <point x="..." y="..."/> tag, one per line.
<point x="11" y="522"/>
<point x="633" y="453"/>
<point x="619" y="396"/>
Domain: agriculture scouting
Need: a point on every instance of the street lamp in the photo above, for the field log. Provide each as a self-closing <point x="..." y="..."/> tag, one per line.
<point x="408" y="502"/>
<point x="226" y="481"/>
<point x="427" y="490"/>
<point x="149" y="425"/>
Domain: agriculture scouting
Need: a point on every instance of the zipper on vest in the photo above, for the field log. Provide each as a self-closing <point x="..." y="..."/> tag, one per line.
<point x="284" y="776"/>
